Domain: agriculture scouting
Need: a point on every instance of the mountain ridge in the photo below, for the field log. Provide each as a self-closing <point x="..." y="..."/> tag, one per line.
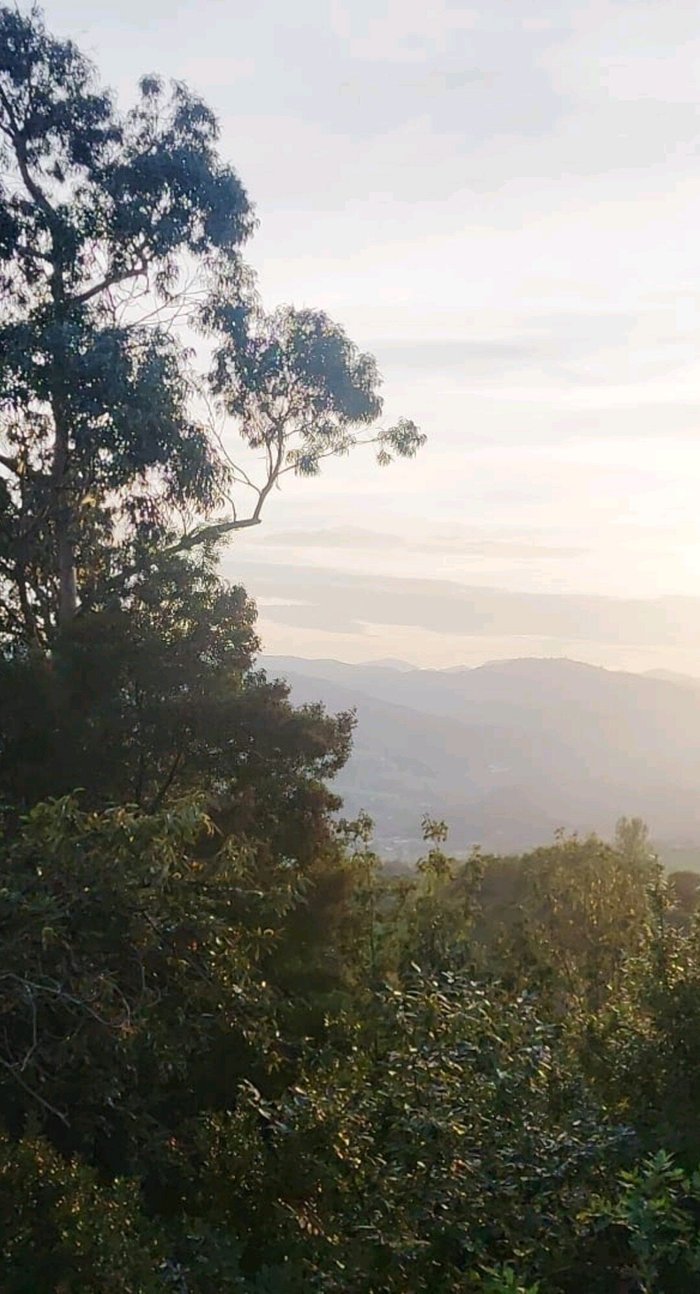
<point x="510" y="750"/>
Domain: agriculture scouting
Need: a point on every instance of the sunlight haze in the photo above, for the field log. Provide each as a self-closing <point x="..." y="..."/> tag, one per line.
<point x="501" y="202"/>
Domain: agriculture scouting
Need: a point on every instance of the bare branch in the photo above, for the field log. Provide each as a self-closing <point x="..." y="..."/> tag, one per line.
<point x="12" y="1069"/>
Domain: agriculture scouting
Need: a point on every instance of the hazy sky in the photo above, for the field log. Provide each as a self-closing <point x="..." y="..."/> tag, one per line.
<point x="502" y="200"/>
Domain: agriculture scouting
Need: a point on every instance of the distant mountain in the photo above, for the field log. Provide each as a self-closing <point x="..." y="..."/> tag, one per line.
<point x="670" y="676"/>
<point x="390" y="663"/>
<point x="509" y="751"/>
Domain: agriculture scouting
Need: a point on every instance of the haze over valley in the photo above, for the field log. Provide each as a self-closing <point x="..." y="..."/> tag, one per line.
<point x="511" y="751"/>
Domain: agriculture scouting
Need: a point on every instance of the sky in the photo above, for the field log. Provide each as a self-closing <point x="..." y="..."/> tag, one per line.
<point x="500" y="200"/>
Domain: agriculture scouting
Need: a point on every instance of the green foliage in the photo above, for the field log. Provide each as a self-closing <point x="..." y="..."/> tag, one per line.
<point x="127" y="972"/>
<point x="253" y="1128"/>
<point x="450" y="1135"/>
<point x="159" y="697"/>
<point x="504" y="1280"/>
<point x="632" y="841"/>
<point x="63" y="1230"/>
<point x="579" y="911"/>
<point x="653" y="1212"/>
<point x="435" y="912"/>
<point x="642" y="1047"/>
<point x="301" y="389"/>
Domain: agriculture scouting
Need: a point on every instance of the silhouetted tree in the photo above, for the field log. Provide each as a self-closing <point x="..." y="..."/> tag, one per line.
<point x="114" y="227"/>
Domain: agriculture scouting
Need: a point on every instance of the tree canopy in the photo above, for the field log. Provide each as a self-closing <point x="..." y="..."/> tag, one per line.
<point x="115" y="229"/>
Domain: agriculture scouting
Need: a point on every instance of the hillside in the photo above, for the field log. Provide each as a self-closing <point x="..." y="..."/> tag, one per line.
<point x="509" y="751"/>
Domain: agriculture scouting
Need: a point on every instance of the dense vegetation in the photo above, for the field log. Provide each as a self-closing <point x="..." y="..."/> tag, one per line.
<point x="235" y="1053"/>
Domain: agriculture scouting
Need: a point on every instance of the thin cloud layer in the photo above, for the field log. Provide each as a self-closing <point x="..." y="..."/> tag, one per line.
<point x="353" y="538"/>
<point x="343" y="602"/>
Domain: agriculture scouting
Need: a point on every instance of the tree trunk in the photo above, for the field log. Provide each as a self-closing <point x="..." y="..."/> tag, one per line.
<point x="63" y="519"/>
<point x="68" y="584"/>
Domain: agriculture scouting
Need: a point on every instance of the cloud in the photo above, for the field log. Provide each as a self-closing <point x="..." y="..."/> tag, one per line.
<point x="465" y="74"/>
<point x="336" y="537"/>
<point x="579" y="347"/>
<point x="343" y="602"/>
<point x="453" y="542"/>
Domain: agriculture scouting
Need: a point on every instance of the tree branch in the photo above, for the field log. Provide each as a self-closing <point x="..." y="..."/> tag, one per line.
<point x="209" y="534"/>
<point x="111" y="280"/>
<point x="160" y="796"/>
<point x="31" y="1092"/>
<point x="217" y="530"/>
